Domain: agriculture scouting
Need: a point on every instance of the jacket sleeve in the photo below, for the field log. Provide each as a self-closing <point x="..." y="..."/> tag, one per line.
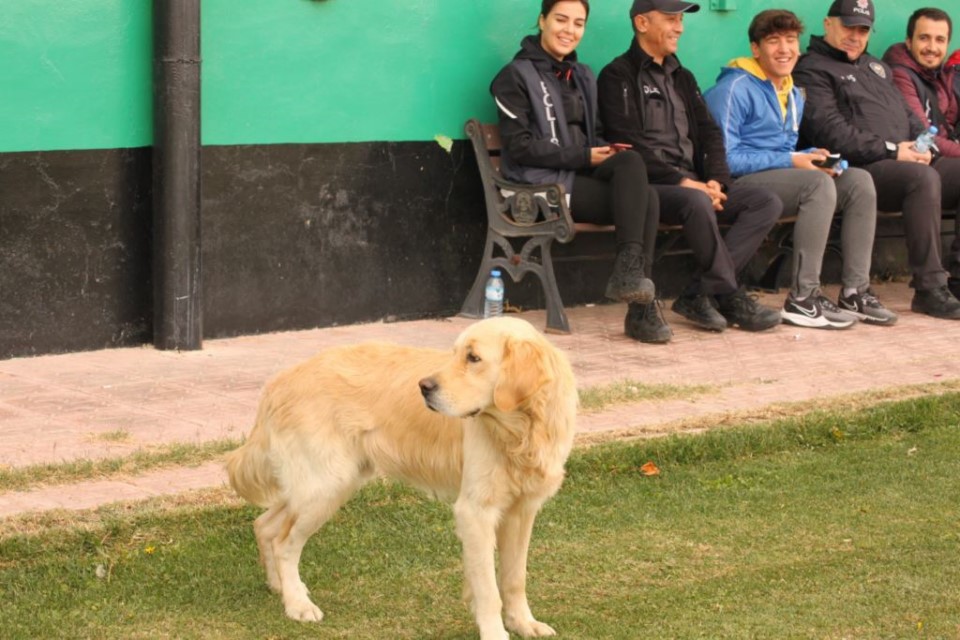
<point x="824" y="125"/>
<point x="518" y="131"/>
<point x="731" y="106"/>
<point x="711" y="139"/>
<point x="622" y="122"/>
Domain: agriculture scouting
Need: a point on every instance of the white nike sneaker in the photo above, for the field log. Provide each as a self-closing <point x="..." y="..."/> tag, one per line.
<point x="816" y="312"/>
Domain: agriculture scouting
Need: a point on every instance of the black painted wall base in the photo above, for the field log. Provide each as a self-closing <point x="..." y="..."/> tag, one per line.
<point x="293" y="237"/>
<point x="74" y="250"/>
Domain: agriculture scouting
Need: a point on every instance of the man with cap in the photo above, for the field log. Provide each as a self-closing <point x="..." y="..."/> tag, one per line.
<point x="854" y="108"/>
<point x="650" y="101"/>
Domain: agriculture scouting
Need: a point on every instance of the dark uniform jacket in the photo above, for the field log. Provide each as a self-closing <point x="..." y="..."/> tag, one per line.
<point x="853" y="108"/>
<point x="622" y="112"/>
<point x="538" y="144"/>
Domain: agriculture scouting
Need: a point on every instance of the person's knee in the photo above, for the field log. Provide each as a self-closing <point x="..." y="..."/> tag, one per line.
<point x="855" y="187"/>
<point x="820" y="190"/>
<point x="631" y="161"/>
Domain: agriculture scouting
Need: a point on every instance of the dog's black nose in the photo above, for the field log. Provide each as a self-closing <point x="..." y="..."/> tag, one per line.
<point x="427" y="386"/>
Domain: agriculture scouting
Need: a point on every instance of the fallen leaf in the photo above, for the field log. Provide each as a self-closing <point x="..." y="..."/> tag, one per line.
<point x="650" y="469"/>
<point x="444" y="141"/>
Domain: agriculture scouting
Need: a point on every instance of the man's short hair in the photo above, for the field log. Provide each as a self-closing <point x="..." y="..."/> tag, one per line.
<point x="766" y="23"/>
<point x="937" y="15"/>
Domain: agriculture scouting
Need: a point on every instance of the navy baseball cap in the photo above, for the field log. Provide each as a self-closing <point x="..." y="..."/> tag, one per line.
<point x="663" y="6"/>
<point x="853" y="13"/>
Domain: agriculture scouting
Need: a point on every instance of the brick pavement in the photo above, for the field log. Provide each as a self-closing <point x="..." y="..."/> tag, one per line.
<point x="109" y="403"/>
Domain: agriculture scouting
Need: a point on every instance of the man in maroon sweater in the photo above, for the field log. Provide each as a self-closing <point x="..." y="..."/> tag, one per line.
<point x="932" y="89"/>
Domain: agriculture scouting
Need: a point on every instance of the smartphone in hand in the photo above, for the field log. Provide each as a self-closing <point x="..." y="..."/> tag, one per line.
<point x="829" y="162"/>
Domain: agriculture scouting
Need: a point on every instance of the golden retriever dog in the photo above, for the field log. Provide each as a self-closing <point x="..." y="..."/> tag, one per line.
<point x="487" y="427"/>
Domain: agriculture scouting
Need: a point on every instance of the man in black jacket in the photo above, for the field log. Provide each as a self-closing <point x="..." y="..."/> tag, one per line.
<point x="648" y="100"/>
<point x="854" y="108"/>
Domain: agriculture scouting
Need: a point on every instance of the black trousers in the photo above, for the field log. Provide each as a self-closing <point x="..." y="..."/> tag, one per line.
<point x="752" y="212"/>
<point x="949" y="170"/>
<point x="617" y="192"/>
<point x="921" y="192"/>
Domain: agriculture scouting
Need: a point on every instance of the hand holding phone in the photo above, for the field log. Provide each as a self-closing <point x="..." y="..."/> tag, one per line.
<point x="829" y="162"/>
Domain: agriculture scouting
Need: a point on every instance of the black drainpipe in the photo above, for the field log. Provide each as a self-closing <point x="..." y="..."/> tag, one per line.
<point x="177" y="315"/>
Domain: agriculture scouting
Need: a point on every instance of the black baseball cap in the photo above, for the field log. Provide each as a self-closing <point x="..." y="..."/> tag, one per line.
<point x="664" y="6"/>
<point x="853" y="13"/>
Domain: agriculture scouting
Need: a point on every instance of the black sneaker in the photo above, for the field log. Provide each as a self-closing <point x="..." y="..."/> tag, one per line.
<point x="815" y="312"/>
<point x="867" y="308"/>
<point x="700" y="310"/>
<point x="954" y="285"/>
<point x="939" y="303"/>
<point x="644" y="322"/>
<point x="742" y="310"/>
<point x="627" y="283"/>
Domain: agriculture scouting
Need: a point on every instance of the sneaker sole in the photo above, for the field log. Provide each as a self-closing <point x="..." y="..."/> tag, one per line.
<point x="799" y="320"/>
<point x="868" y="319"/>
<point x="874" y="320"/>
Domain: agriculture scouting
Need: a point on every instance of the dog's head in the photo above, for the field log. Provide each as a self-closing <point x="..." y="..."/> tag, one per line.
<point x="497" y="363"/>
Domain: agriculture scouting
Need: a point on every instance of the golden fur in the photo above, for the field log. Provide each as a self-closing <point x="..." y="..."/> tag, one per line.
<point x="495" y="443"/>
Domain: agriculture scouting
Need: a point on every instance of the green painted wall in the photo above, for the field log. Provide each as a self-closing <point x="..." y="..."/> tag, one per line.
<point x="77" y="73"/>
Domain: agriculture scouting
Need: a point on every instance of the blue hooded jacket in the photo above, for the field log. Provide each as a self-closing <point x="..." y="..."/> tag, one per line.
<point x="756" y="135"/>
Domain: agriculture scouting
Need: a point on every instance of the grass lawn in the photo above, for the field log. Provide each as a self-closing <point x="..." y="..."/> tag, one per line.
<point x="823" y="526"/>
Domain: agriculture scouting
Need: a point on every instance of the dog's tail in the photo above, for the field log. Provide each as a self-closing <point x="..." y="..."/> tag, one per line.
<point x="250" y="469"/>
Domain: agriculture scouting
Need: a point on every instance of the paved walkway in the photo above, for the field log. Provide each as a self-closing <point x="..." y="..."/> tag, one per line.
<point x="106" y="404"/>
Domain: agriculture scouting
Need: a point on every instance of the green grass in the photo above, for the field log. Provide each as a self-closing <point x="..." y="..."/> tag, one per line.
<point x="824" y="526"/>
<point x="602" y="396"/>
<point x="20" y="478"/>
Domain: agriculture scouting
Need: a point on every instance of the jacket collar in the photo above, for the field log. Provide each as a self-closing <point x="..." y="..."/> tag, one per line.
<point x="821" y="46"/>
<point x="898" y="54"/>
<point x="641" y="58"/>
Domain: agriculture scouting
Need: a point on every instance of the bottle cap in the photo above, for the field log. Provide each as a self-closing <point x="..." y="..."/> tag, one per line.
<point x="844" y="165"/>
<point x="933" y="130"/>
<point x="495" y="273"/>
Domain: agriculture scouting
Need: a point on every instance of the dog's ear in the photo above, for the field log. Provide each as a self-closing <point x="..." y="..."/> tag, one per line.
<point x="521" y="374"/>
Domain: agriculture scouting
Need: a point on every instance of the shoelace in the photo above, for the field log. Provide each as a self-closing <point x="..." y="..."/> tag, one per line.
<point x="746" y="301"/>
<point x="829" y="306"/>
<point x="870" y="300"/>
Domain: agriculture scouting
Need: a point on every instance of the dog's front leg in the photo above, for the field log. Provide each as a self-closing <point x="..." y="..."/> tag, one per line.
<point x="513" y="539"/>
<point x="476" y="527"/>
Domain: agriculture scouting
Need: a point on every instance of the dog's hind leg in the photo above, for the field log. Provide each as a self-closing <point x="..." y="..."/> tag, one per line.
<point x="303" y="519"/>
<point x="513" y="540"/>
<point x="266" y="528"/>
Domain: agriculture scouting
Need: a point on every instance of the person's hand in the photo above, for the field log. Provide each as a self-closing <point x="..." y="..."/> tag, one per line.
<point x="599" y="154"/>
<point x="712" y="188"/>
<point x="805" y="160"/>
<point x="906" y="153"/>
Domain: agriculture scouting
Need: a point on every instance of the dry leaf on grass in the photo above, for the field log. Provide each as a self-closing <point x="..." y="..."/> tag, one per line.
<point x="650" y="469"/>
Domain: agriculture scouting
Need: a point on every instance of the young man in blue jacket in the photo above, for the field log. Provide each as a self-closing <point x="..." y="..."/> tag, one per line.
<point x="759" y="109"/>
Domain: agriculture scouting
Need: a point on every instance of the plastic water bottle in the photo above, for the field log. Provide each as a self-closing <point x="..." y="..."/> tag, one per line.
<point x="925" y="140"/>
<point x="493" y="296"/>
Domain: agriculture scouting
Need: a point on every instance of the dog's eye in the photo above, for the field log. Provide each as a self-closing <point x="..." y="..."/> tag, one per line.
<point x="473" y="358"/>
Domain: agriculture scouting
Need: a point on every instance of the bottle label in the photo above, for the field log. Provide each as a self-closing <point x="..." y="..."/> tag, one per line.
<point x="494" y="293"/>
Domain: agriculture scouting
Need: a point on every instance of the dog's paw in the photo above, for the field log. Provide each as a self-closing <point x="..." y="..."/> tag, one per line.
<point x="304" y="611"/>
<point x="531" y="629"/>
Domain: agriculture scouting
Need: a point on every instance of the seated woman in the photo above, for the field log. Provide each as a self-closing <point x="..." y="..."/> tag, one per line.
<point x="547" y="108"/>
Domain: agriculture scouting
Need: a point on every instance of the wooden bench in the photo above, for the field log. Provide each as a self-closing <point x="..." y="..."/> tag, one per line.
<point x="533" y="217"/>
